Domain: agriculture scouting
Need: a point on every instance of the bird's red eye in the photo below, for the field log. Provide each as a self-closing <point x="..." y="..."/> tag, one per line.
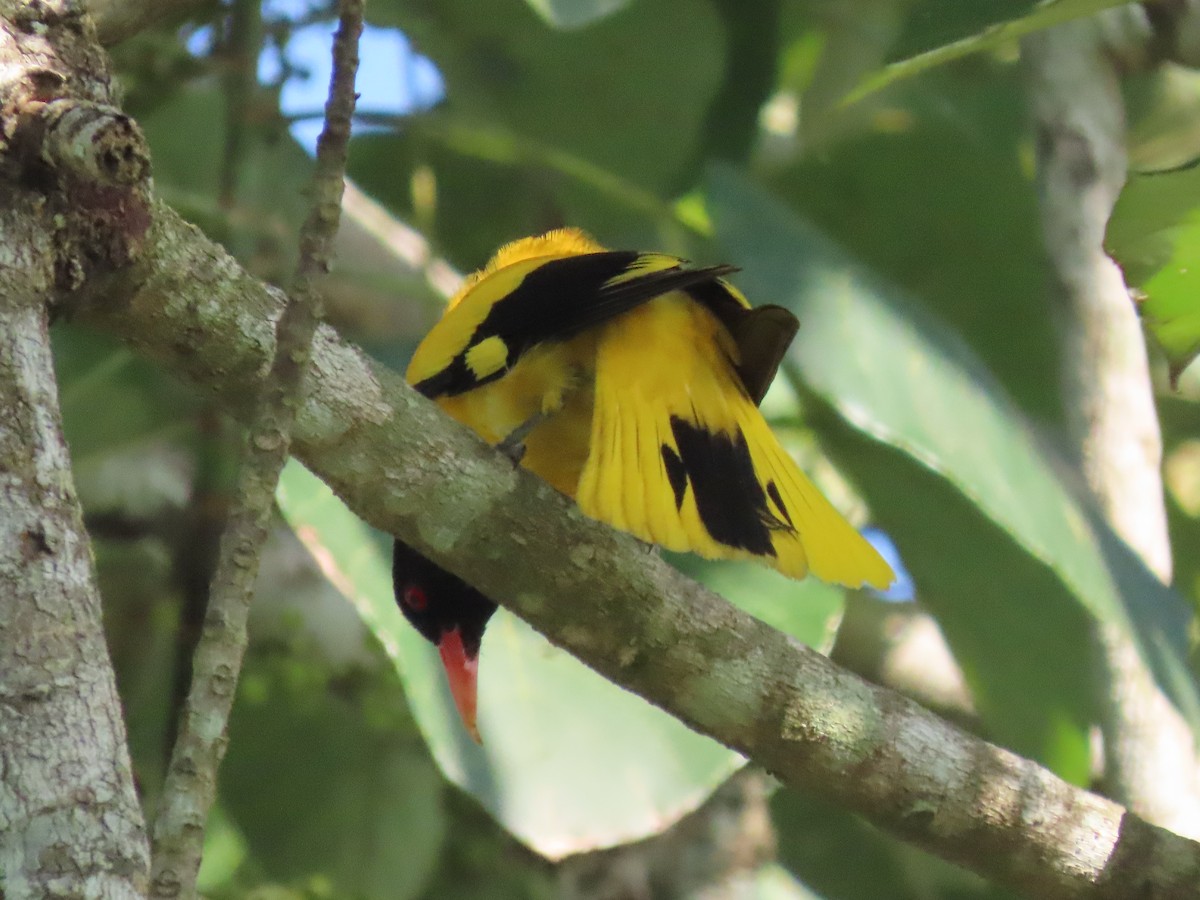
<point x="414" y="598"/>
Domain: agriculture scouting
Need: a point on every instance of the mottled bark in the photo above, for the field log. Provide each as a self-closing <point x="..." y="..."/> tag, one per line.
<point x="405" y="468"/>
<point x="92" y="143"/>
<point x="70" y="824"/>
<point x="1150" y="760"/>
<point x="900" y="646"/>
<point x="72" y="166"/>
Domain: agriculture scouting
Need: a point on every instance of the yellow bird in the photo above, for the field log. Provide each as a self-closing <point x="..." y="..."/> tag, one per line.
<point x="630" y="382"/>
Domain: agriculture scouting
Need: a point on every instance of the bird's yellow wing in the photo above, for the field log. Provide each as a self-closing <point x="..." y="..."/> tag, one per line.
<point x="521" y="303"/>
<point x="680" y="455"/>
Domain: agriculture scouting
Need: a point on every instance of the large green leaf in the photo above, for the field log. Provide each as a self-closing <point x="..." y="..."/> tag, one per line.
<point x="628" y="93"/>
<point x="998" y="543"/>
<point x="569" y="761"/>
<point x="1154" y="233"/>
<point x="929" y="24"/>
<point x="876" y="193"/>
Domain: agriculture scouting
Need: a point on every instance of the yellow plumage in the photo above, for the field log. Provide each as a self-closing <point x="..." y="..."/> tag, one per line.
<point x="638" y="381"/>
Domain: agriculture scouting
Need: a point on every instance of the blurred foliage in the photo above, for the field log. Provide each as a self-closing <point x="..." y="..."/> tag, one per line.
<point x="883" y="867"/>
<point x="901" y="228"/>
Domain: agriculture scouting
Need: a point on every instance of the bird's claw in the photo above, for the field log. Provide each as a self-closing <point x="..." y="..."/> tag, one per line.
<point x="513" y="445"/>
<point x="514" y="450"/>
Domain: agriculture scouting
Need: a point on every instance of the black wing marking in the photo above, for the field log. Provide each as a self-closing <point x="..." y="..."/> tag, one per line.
<point x="557" y="301"/>
<point x="731" y="503"/>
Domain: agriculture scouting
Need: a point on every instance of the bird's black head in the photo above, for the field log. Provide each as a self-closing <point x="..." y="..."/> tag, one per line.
<point x="450" y="614"/>
<point x="436" y="602"/>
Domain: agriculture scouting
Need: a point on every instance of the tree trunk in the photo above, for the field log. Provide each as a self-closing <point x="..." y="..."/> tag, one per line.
<point x="70" y="824"/>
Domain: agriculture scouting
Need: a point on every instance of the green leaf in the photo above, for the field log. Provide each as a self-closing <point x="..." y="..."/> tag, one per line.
<point x="1046" y="14"/>
<point x="569" y="14"/>
<point x="628" y="94"/>
<point x="753" y="35"/>
<point x="1154" y="234"/>
<point x="224" y="852"/>
<point x="929" y="24"/>
<point x="1005" y="554"/>
<point x="570" y="762"/>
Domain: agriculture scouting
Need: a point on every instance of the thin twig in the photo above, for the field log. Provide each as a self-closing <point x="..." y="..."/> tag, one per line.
<point x="191" y="777"/>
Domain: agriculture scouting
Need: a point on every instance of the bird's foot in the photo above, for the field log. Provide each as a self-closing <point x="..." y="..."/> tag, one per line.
<point x="513" y="445"/>
<point x="514" y="450"/>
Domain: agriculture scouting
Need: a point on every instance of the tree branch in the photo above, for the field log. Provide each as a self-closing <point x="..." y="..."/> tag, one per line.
<point x="406" y="468"/>
<point x="191" y="780"/>
<point x="1150" y="758"/>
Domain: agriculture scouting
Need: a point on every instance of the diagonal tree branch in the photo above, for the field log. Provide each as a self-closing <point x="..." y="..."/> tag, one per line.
<point x="191" y="780"/>
<point x="404" y="467"/>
